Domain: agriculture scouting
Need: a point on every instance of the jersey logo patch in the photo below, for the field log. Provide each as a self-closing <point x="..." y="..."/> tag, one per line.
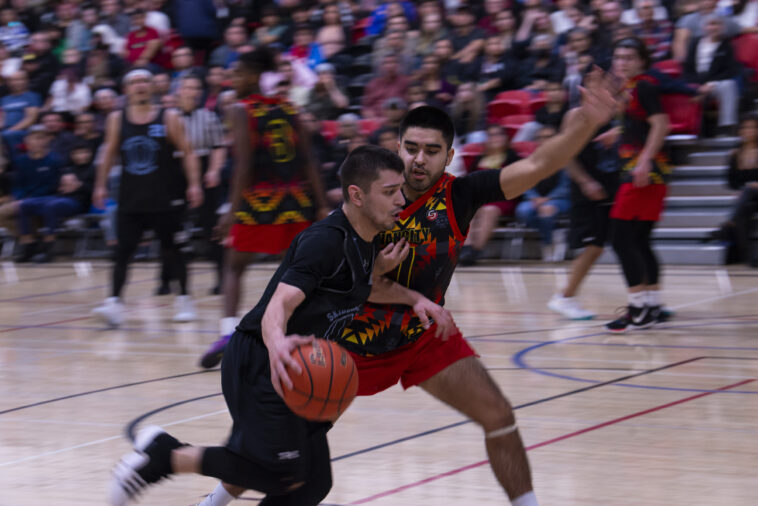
<point x="431" y="215"/>
<point x="140" y="155"/>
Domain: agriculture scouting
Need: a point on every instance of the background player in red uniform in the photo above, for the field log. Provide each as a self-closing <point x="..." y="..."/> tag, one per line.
<point x="639" y="200"/>
<point x="276" y="190"/>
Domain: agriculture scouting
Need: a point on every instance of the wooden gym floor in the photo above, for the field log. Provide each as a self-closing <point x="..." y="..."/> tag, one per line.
<point x="667" y="416"/>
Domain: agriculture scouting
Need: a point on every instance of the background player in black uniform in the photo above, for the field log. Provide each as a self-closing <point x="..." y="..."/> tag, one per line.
<point x="328" y="270"/>
<point x="145" y="137"/>
<point x="594" y="176"/>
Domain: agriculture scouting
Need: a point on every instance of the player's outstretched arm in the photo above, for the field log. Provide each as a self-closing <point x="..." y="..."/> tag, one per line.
<point x="598" y="105"/>
<point x="279" y="310"/>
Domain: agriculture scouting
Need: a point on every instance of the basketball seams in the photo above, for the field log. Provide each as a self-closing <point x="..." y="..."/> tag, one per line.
<point x="311" y="405"/>
<point x="310" y="376"/>
<point x="331" y="379"/>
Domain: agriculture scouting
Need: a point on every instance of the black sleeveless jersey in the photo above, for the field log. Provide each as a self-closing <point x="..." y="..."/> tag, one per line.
<point x="332" y="265"/>
<point x="149" y="179"/>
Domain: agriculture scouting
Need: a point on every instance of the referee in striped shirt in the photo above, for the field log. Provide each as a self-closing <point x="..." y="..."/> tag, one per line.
<point x="206" y="136"/>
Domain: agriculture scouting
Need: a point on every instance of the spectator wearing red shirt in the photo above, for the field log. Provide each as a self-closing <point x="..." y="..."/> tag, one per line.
<point x="142" y="43"/>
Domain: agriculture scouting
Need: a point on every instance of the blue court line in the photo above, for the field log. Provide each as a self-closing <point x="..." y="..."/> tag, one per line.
<point x="519" y="360"/>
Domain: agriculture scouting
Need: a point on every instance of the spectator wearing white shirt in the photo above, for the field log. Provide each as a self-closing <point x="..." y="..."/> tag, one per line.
<point x="69" y="94"/>
<point x="711" y="64"/>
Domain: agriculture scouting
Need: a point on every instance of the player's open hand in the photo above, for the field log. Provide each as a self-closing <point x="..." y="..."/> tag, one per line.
<point x="600" y="96"/>
<point x="391" y="256"/>
<point x="429" y="313"/>
<point x="280" y="359"/>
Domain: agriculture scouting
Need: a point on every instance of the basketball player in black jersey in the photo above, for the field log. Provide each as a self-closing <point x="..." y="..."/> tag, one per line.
<point x="145" y="138"/>
<point x="328" y="270"/>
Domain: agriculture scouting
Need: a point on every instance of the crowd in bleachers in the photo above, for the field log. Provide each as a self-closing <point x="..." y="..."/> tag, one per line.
<point x="353" y="68"/>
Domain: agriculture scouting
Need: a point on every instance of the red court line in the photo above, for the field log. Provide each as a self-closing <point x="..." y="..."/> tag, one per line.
<point x="548" y="442"/>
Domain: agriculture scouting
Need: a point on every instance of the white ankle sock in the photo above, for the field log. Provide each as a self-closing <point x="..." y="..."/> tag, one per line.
<point x="637" y="299"/>
<point x="226" y="325"/>
<point x="528" y="499"/>
<point x="653" y="297"/>
<point x="219" y="497"/>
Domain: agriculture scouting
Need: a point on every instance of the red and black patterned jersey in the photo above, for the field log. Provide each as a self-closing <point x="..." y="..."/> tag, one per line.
<point x="277" y="194"/>
<point x="643" y="102"/>
<point x="430" y="226"/>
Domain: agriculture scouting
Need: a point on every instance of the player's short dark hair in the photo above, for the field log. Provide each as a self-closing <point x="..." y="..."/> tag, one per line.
<point x="258" y="60"/>
<point x="428" y="116"/>
<point x="362" y="166"/>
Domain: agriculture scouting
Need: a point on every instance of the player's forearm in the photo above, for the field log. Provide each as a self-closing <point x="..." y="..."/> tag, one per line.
<point x="191" y="168"/>
<point x="218" y="159"/>
<point x="659" y="129"/>
<point x="279" y="310"/>
<point x="103" y="169"/>
<point x="577" y="173"/>
<point x="553" y="155"/>
<point x="386" y="291"/>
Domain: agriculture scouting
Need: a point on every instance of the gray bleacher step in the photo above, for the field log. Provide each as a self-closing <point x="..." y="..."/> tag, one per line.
<point x="698" y="171"/>
<point x="680" y="254"/>
<point x="690" y="141"/>
<point x="709" y="158"/>
<point x="682" y="233"/>
<point x="699" y="187"/>
<point x="678" y="219"/>
<point x="700" y="201"/>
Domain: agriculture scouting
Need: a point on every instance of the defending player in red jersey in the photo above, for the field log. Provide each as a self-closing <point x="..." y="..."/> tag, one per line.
<point x="639" y="200"/>
<point x="276" y="192"/>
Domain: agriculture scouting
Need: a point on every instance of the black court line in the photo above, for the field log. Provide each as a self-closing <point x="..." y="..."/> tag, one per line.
<point x="106" y="389"/>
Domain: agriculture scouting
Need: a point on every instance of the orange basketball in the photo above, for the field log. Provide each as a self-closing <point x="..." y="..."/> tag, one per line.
<point x="328" y="382"/>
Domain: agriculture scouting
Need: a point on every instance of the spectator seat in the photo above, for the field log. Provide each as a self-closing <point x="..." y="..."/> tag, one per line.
<point x="513" y="122"/>
<point x="329" y="129"/>
<point x="671" y="68"/>
<point x="684" y="115"/>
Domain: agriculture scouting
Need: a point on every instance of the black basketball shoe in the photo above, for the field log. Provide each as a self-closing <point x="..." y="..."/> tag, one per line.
<point x="635" y="318"/>
<point x="149" y="463"/>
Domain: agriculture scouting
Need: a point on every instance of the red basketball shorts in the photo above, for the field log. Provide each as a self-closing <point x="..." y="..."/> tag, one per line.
<point x="270" y="239"/>
<point x="412" y="364"/>
<point x="644" y="204"/>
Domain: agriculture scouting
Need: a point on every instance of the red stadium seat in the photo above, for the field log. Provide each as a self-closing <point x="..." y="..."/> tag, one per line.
<point x="671" y="68"/>
<point x="471" y="152"/>
<point x="517" y="97"/>
<point x="524" y="148"/>
<point x="329" y="129"/>
<point x="369" y="126"/>
<point x="498" y="109"/>
<point x="746" y="52"/>
<point x="684" y="114"/>
<point x="513" y="122"/>
<point x="537" y="102"/>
